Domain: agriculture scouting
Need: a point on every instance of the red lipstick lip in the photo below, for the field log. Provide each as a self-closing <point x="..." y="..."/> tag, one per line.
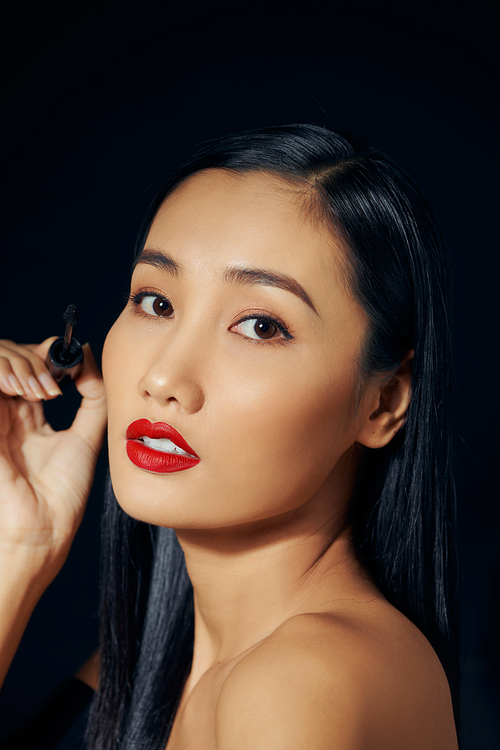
<point x="158" y="430"/>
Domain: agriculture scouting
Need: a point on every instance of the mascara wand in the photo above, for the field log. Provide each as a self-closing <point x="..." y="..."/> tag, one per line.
<point x="65" y="355"/>
<point x="71" y="318"/>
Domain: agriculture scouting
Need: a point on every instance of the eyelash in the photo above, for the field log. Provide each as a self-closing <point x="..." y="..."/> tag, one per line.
<point x="287" y="336"/>
<point x="136" y="300"/>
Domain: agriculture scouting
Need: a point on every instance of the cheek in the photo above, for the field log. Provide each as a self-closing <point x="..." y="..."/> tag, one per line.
<point x="285" y="437"/>
<point x="117" y="364"/>
<point x="118" y="357"/>
<point x="109" y="353"/>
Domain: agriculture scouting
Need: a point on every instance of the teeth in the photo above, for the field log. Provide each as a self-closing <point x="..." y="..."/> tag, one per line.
<point x="164" y="445"/>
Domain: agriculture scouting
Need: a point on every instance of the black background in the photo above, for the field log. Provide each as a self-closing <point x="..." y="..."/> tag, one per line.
<point x="101" y="100"/>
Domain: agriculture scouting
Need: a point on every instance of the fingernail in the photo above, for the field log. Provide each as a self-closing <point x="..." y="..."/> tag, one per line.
<point x="36" y="387"/>
<point x="49" y="384"/>
<point x="16" y="385"/>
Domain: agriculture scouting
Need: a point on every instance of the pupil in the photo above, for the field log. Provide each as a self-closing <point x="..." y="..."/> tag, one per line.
<point x="265" y="329"/>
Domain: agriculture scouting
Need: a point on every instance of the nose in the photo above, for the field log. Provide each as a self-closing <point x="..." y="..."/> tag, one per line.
<point x="172" y="375"/>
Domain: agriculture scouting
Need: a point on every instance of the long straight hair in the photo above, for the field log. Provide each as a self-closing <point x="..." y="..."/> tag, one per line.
<point x="402" y="512"/>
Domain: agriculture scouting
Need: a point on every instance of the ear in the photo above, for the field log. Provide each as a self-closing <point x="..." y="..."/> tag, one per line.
<point x="384" y="409"/>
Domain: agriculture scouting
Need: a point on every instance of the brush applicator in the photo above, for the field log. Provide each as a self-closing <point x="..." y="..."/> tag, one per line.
<point x="65" y="356"/>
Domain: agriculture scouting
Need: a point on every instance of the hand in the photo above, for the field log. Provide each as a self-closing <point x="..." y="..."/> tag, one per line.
<point x="45" y="476"/>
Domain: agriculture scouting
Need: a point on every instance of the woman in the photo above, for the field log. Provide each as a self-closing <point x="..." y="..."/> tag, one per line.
<point x="278" y="421"/>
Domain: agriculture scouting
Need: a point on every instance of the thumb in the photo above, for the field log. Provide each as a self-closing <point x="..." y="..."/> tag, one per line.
<point x="90" y="419"/>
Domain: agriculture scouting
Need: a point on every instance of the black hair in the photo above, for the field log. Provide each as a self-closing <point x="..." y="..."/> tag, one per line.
<point x="402" y="512"/>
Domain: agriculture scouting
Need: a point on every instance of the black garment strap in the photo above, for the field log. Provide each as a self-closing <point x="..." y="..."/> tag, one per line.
<point x="59" y="724"/>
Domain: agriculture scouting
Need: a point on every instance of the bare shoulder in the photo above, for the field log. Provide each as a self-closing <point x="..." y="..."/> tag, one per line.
<point x="324" y="680"/>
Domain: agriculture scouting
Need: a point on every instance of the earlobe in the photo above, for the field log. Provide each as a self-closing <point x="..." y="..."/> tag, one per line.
<point x="385" y="412"/>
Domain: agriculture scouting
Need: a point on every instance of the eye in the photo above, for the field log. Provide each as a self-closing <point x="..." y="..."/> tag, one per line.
<point x="153" y="304"/>
<point x="262" y="328"/>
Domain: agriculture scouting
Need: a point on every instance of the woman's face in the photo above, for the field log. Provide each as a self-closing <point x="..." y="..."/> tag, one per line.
<point x="240" y="335"/>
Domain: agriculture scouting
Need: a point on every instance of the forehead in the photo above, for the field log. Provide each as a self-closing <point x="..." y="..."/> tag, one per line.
<point x="252" y="218"/>
<point x="217" y="220"/>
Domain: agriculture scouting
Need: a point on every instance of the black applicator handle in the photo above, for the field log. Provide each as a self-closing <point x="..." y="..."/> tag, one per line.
<point x="65" y="356"/>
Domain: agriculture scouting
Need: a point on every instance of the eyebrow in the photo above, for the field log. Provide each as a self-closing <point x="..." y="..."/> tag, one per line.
<point x="269" y="278"/>
<point x="158" y="259"/>
<point x="250" y="276"/>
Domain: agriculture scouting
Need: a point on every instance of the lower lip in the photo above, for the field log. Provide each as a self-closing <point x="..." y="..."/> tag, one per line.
<point x="161" y="463"/>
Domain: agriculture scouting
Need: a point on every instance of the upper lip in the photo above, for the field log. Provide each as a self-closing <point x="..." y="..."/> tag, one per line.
<point x="158" y="430"/>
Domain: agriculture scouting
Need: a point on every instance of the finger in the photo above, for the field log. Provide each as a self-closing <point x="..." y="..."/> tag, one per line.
<point x="42" y="349"/>
<point x="9" y="384"/>
<point x="26" y="370"/>
<point x="90" y="419"/>
<point x="18" y="418"/>
<point x="17" y="377"/>
<point x="28" y="418"/>
<point x="43" y="373"/>
<point x="20" y="365"/>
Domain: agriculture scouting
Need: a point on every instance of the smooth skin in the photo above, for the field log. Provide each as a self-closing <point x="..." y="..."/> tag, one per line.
<point x="295" y="647"/>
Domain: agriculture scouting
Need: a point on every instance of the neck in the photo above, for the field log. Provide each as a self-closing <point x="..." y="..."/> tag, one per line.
<point x="248" y="580"/>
